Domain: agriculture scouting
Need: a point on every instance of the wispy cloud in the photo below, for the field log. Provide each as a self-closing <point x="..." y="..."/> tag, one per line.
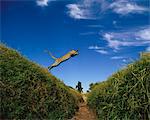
<point x="94" y="47"/>
<point x="94" y="9"/>
<point x="117" y="57"/>
<point x="122" y="58"/>
<point x="127" y="38"/>
<point x="125" y="7"/>
<point x="86" y="9"/>
<point x="102" y="51"/>
<point x="98" y="49"/>
<point x="76" y="11"/>
<point x="43" y="3"/>
<point x="144" y="34"/>
<point x="113" y="43"/>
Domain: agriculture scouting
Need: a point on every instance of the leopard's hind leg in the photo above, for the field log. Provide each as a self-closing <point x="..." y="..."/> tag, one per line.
<point x="53" y="65"/>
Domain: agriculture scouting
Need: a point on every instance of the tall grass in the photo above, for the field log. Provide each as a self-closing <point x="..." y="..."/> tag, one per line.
<point x="29" y="91"/>
<point x="125" y="95"/>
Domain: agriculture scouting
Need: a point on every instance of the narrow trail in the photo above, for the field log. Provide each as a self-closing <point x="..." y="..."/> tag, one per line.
<point x="84" y="113"/>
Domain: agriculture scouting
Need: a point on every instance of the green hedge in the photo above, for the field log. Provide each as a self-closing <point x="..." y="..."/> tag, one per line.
<point x="125" y="95"/>
<point x="29" y="91"/>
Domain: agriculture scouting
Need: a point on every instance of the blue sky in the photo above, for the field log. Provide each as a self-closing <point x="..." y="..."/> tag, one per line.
<point x="108" y="33"/>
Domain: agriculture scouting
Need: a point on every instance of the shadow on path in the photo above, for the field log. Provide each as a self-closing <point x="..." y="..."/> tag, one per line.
<point x="84" y="113"/>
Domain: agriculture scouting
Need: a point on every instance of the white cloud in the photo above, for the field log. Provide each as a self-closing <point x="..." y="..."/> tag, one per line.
<point x="75" y="11"/>
<point x="127" y="38"/>
<point x="117" y="57"/>
<point x="94" y="47"/>
<point x="124" y="60"/>
<point x="98" y="49"/>
<point x="94" y="9"/>
<point x="42" y="3"/>
<point x="102" y="51"/>
<point x="144" y="34"/>
<point x="108" y="36"/>
<point x="87" y="9"/>
<point x="113" y="43"/>
<point x="124" y="7"/>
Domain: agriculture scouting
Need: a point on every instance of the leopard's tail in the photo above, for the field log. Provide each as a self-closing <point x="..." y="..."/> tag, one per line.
<point x="50" y="54"/>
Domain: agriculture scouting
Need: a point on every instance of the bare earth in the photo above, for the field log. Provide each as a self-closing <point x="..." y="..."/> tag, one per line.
<point x="84" y="113"/>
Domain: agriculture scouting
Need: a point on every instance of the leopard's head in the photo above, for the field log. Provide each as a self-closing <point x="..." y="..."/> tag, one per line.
<point x="74" y="53"/>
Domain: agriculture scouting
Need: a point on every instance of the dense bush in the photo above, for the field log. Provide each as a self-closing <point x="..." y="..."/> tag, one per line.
<point x="29" y="91"/>
<point x="125" y="95"/>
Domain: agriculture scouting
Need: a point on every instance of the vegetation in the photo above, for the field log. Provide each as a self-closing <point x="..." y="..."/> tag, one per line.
<point x="79" y="86"/>
<point x="29" y="91"/>
<point x="92" y="85"/>
<point x="125" y="95"/>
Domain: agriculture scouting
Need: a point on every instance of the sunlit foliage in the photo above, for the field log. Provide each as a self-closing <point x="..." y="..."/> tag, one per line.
<point x="29" y="91"/>
<point x="125" y="95"/>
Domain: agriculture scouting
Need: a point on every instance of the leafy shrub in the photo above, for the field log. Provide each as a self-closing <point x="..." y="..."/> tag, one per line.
<point x="29" y="91"/>
<point x="125" y="95"/>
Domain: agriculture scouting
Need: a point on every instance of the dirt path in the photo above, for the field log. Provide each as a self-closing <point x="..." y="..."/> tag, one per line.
<point x="84" y="113"/>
